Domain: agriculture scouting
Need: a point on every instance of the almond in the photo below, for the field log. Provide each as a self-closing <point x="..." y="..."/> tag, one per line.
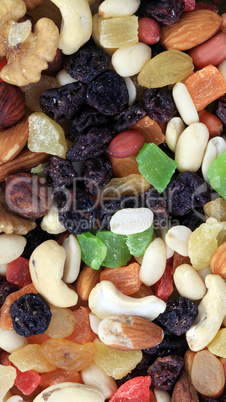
<point x="192" y="29"/>
<point x="184" y="390"/>
<point x="86" y="281"/>
<point x="13" y="139"/>
<point x="126" y="144"/>
<point x="129" y="333"/>
<point x="22" y="162"/>
<point x="218" y="261"/>
<point x="123" y="167"/>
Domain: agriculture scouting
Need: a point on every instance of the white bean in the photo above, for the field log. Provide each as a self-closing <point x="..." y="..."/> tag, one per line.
<point x="10" y="340"/>
<point x="118" y="8"/>
<point x="128" y="61"/>
<point x="215" y="147"/>
<point x="191" y="146"/>
<point x="188" y="282"/>
<point x="11" y="247"/>
<point x="174" y="129"/>
<point x="131" y="220"/>
<point x="177" y="239"/>
<point x="184" y="104"/>
<point x="154" y="262"/>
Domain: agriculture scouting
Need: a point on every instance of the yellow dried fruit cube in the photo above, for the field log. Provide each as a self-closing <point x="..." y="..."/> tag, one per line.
<point x="218" y="345"/>
<point x="45" y="135"/>
<point x="118" y="32"/>
<point x="116" y="363"/>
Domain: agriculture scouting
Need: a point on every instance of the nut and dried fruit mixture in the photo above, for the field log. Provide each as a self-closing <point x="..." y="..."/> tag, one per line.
<point x="112" y="200"/>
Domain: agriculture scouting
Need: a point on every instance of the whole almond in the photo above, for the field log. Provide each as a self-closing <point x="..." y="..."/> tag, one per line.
<point x="192" y="29"/>
<point x="184" y="390"/>
<point x="123" y="167"/>
<point x="86" y="281"/>
<point x="129" y="333"/>
<point x="13" y="139"/>
<point x="126" y="144"/>
<point x="218" y="261"/>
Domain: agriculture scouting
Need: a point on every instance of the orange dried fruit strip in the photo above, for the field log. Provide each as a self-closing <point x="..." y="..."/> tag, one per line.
<point x="123" y="167"/>
<point x="150" y="129"/>
<point x="126" y="279"/>
<point x="5" y="319"/>
<point x="205" y="86"/>
<point x="82" y="331"/>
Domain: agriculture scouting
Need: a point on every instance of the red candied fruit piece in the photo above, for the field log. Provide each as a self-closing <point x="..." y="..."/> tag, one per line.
<point x="189" y="5"/>
<point x="135" y="390"/>
<point x="164" y="287"/>
<point x="26" y="381"/>
<point x="18" y="272"/>
<point x="2" y="64"/>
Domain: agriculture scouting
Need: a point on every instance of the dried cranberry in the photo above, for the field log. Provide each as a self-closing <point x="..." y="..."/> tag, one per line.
<point x="165" y="371"/>
<point x="108" y="93"/>
<point x="59" y="172"/>
<point x="5" y="289"/>
<point x="97" y="173"/>
<point x="159" y="104"/>
<point x="165" y="11"/>
<point x="128" y="117"/>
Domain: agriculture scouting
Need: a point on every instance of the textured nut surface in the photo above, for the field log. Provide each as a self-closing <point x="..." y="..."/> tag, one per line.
<point x="12" y="140"/>
<point x="12" y="105"/>
<point x="87" y="279"/>
<point x="184" y="390"/>
<point x="50" y="222"/>
<point x="70" y="392"/>
<point x="218" y="261"/>
<point x="129" y="333"/>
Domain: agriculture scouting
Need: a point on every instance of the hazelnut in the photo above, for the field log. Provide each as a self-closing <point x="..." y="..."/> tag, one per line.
<point x="12" y="105"/>
<point x="27" y="195"/>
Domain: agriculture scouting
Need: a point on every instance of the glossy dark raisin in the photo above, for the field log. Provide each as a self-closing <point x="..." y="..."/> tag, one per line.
<point x="79" y="216"/>
<point x="87" y="63"/>
<point x="61" y="104"/>
<point x="97" y="173"/>
<point x="187" y="191"/>
<point x="221" y="110"/>
<point x="30" y="314"/>
<point x="90" y="145"/>
<point x="164" y="11"/>
<point x="158" y="204"/>
<point x="85" y="120"/>
<point x="178" y="315"/>
<point x="59" y="172"/>
<point x="165" y="371"/>
<point x="159" y="104"/>
<point x="5" y="289"/>
<point x="108" y="93"/>
<point x="34" y="238"/>
<point x="128" y="117"/>
<point x="193" y="219"/>
<point x="170" y="345"/>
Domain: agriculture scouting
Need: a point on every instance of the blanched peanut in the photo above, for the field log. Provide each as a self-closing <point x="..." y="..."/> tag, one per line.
<point x="106" y="300"/>
<point x="63" y="78"/>
<point x="73" y="259"/>
<point x="188" y="282"/>
<point x="184" y="104"/>
<point x="215" y="147"/>
<point x="131" y="220"/>
<point x="154" y="262"/>
<point x="169" y="251"/>
<point x="10" y="340"/>
<point x="177" y="239"/>
<point x="11" y="247"/>
<point x="118" y="8"/>
<point x="70" y="392"/>
<point x="130" y="60"/>
<point x="132" y="91"/>
<point x="191" y="146"/>
<point x="96" y="376"/>
<point x="211" y="312"/>
<point x="174" y="129"/>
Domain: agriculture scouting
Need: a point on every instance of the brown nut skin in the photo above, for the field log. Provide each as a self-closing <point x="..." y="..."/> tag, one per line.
<point x="56" y="65"/>
<point x="27" y="195"/>
<point x="12" y="105"/>
<point x="218" y="261"/>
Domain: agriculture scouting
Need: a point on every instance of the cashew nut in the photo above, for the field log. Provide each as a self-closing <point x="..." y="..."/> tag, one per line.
<point x="70" y="392"/>
<point x="76" y="26"/>
<point x="106" y="300"/>
<point x="96" y="376"/>
<point x="50" y="222"/>
<point x="46" y="269"/>
<point x="212" y="310"/>
<point x="73" y="259"/>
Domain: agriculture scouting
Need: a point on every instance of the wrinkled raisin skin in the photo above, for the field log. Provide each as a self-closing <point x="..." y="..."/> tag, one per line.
<point x="34" y="238"/>
<point x="221" y="110"/>
<point x="5" y="289"/>
<point x="61" y="104"/>
<point x="87" y="63"/>
<point x="159" y="104"/>
<point x="59" y="172"/>
<point x="158" y="204"/>
<point x="85" y="120"/>
<point x="30" y="314"/>
<point x="178" y="315"/>
<point x="128" y="117"/>
<point x="170" y="345"/>
<point x="108" y="93"/>
<point x="97" y="173"/>
<point x="165" y="371"/>
<point x="164" y="11"/>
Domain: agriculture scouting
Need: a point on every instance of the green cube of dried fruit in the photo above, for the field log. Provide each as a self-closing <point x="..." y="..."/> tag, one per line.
<point x="93" y="250"/>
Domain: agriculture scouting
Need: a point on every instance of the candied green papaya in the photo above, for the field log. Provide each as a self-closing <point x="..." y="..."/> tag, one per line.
<point x="117" y="251"/>
<point x="217" y="175"/>
<point x="138" y="243"/>
<point x="93" y="250"/>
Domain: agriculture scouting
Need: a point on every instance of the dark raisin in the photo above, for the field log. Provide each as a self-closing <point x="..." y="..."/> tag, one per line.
<point x="156" y="49"/>
<point x="59" y="172"/>
<point x="159" y="104"/>
<point x="61" y="104"/>
<point x="178" y="315"/>
<point x="158" y="204"/>
<point x="30" y="314"/>
<point x="34" y="238"/>
<point x="86" y="119"/>
<point x="90" y="145"/>
<point x="165" y="371"/>
<point x="193" y="219"/>
<point x="221" y="110"/>
<point x="97" y="173"/>
<point x="108" y="93"/>
<point x="170" y="345"/>
<point x="80" y="215"/>
<point x="128" y="117"/>
<point x="187" y="191"/>
<point x="164" y="11"/>
<point x="5" y="289"/>
<point x="87" y="63"/>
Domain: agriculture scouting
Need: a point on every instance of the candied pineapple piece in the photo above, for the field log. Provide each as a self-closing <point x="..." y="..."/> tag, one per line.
<point x="203" y="242"/>
<point x="18" y="32"/>
<point x="118" y="32"/>
<point x="216" y="209"/>
<point x="45" y="135"/>
<point x="218" y="345"/>
<point x="30" y="357"/>
<point x="166" y="68"/>
<point x="116" y="363"/>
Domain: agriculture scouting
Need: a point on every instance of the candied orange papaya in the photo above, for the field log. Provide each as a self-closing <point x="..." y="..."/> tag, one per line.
<point x="126" y="279"/>
<point x="59" y="375"/>
<point x="150" y="129"/>
<point x="82" y="330"/>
